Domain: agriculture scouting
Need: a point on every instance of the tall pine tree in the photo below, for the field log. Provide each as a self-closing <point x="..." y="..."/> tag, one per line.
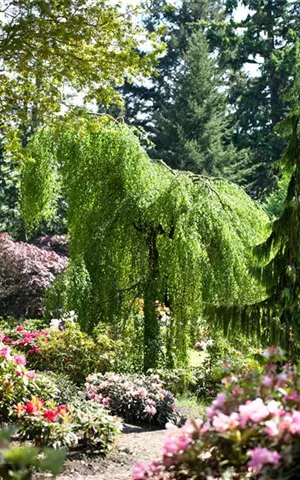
<point x="192" y="126"/>
<point x="258" y="53"/>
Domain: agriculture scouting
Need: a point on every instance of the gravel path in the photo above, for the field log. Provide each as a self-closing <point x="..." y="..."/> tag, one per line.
<point x="134" y="444"/>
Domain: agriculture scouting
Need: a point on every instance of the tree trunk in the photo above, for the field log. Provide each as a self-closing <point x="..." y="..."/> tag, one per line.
<point x="151" y="294"/>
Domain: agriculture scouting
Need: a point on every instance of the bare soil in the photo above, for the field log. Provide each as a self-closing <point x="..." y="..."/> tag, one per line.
<point x="135" y="443"/>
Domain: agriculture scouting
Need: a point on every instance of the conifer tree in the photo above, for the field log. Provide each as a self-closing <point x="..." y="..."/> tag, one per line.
<point x="193" y="126"/>
<point x="277" y="318"/>
<point x="258" y="55"/>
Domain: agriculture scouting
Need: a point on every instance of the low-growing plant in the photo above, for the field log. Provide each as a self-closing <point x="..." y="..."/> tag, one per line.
<point x="25" y="462"/>
<point x="252" y="430"/>
<point x="81" y="422"/>
<point x="136" y="398"/>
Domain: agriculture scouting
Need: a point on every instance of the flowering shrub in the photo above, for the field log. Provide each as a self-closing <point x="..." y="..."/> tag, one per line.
<point x="74" y="353"/>
<point x="26" y="272"/>
<point x="46" y="423"/>
<point x="14" y="378"/>
<point x="63" y="348"/>
<point x="25" y="340"/>
<point x="23" y="463"/>
<point x="251" y="430"/>
<point x="136" y="398"/>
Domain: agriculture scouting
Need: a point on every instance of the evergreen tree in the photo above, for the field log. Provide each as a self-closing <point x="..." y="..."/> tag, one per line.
<point x="192" y="127"/>
<point x="277" y="317"/>
<point x="265" y="40"/>
<point x="145" y="102"/>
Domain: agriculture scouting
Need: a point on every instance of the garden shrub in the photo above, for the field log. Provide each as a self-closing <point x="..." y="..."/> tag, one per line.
<point x="64" y="349"/>
<point x="136" y="398"/>
<point x="46" y="423"/>
<point x="251" y="430"/>
<point x="15" y="379"/>
<point x="26" y="272"/>
<point x="74" y="353"/>
<point x="24" y="463"/>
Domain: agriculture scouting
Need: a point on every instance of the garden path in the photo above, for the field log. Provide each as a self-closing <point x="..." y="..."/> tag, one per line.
<point x="134" y="444"/>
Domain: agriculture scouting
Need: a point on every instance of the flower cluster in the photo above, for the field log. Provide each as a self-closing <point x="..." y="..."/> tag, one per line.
<point x="25" y="340"/>
<point x="14" y="378"/>
<point x="252" y="429"/>
<point x="40" y="408"/>
<point x="134" y="397"/>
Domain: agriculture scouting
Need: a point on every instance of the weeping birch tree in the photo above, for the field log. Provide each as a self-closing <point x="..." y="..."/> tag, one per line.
<point x="139" y="229"/>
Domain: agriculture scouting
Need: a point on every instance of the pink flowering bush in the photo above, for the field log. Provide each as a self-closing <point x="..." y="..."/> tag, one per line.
<point x="24" y="339"/>
<point x="26" y="272"/>
<point x="251" y="430"/>
<point x="15" y="378"/>
<point x="136" y="398"/>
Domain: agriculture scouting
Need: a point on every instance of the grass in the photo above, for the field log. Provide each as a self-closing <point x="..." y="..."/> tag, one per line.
<point x="191" y="402"/>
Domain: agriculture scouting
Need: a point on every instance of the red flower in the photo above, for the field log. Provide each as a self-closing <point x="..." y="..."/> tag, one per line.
<point x="50" y="415"/>
<point x="20" y="328"/>
<point x="30" y="408"/>
<point x="62" y="410"/>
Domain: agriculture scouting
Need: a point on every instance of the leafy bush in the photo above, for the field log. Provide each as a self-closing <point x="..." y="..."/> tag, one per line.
<point x="15" y="379"/>
<point x="46" y="423"/>
<point x="136" y="398"/>
<point x="74" y="353"/>
<point x="26" y="272"/>
<point x="23" y="463"/>
<point x="252" y="430"/>
<point x="219" y="357"/>
<point x="54" y="386"/>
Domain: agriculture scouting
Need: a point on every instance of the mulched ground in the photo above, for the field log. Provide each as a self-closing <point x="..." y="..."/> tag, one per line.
<point x="133" y="444"/>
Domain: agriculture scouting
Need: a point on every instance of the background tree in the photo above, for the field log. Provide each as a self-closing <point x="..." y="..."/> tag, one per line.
<point x="277" y="317"/>
<point x="265" y="40"/>
<point x="192" y="127"/>
<point x="140" y="229"/>
<point x="50" y="51"/>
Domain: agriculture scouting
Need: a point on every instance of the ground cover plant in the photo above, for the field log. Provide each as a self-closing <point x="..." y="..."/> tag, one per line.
<point x="136" y="398"/>
<point x="251" y="430"/>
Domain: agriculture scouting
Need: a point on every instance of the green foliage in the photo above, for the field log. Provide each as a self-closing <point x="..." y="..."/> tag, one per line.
<point x="142" y="229"/>
<point x="193" y="129"/>
<point x="74" y="354"/>
<point x="46" y="45"/>
<point x="258" y="54"/>
<point x="25" y="463"/>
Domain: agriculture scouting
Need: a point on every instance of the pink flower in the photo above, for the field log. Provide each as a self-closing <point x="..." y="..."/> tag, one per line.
<point x="176" y="443"/>
<point x="19" y="328"/>
<point x="20" y="359"/>
<point x="141" y="470"/>
<point x="261" y="457"/>
<point x="5" y="352"/>
<point x="267" y="380"/>
<point x="222" y="422"/>
<point x="151" y="410"/>
<point x="143" y="393"/>
<point x="31" y="374"/>
<point x="254" y="411"/>
<point x="271" y="428"/>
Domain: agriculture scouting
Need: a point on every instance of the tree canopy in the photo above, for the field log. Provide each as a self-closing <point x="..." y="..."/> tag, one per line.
<point x="46" y="45"/>
<point x="140" y="229"/>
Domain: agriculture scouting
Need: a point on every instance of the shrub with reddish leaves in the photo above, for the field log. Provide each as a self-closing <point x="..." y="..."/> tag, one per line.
<point x="26" y="272"/>
<point x="251" y="431"/>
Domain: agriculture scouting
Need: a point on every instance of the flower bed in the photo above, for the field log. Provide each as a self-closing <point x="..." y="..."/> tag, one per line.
<point x="136" y="398"/>
<point x="251" y="430"/>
